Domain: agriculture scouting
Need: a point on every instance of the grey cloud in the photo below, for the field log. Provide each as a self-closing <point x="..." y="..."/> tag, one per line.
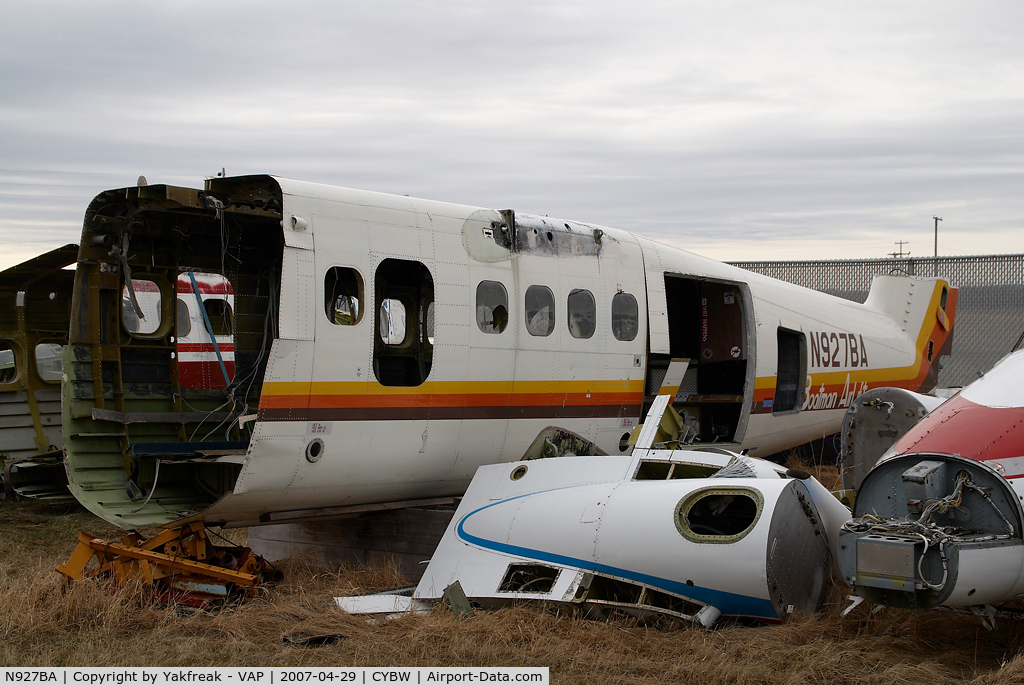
<point x="788" y="121"/>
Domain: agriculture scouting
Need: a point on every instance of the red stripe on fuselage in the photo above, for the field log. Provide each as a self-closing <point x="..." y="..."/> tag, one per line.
<point x="206" y="347"/>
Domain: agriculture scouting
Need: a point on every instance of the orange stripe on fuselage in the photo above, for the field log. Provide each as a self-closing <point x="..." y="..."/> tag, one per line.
<point x="453" y="394"/>
<point x="368" y="395"/>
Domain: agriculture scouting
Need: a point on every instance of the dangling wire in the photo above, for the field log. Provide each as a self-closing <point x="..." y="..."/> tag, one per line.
<point x="156" y="475"/>
<point x="120" y="252"/>
<point x="930" y="532"/>
<point x="218" y="207"/>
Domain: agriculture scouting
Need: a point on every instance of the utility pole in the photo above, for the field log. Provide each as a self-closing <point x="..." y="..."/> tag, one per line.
<point x="935" y="263"/>
<point x="901" y="253"/>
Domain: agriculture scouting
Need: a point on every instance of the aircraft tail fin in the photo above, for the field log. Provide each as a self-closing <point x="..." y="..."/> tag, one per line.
<point x="925" y="308"/>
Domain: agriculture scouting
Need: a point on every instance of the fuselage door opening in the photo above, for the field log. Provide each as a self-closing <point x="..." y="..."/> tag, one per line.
<point x="709" y="368"/>
<point x="403" y="347"/>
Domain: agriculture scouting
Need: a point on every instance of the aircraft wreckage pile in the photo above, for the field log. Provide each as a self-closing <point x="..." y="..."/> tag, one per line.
<point x="266" y="351"/>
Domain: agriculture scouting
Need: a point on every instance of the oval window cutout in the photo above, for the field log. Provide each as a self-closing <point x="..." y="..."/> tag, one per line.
<point x="721" y="515"/>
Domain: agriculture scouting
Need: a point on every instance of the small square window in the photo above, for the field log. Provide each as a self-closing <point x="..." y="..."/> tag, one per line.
<point x="625" y="316"/>
<point x="582" y="314"/>
<point x="8" y="363"/>
<point x="343" y="296"/>
<point x="48" y="361"/>
<point x="144" y="320"/>
<point x="540" y="310"/>
<point x="491" y="307"/>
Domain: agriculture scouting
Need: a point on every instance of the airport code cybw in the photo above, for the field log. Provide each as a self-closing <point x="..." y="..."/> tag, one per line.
<point x="268" y="676"/>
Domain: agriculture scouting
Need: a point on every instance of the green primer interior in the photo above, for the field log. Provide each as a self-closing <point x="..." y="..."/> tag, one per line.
<point x="35" y="301"/>
<point x="122" y="390"/>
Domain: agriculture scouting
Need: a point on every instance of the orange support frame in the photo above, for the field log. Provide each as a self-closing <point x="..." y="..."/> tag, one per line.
<point x="172" y="554"/>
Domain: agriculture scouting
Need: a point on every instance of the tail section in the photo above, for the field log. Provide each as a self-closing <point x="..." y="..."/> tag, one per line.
<point x="926" y="306"/>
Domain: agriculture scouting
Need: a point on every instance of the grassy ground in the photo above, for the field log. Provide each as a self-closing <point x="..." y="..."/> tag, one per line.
<point x="45" y="622"/>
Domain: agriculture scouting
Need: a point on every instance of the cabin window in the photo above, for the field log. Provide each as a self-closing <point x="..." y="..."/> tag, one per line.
<point x="343" y="296"/>
<point x="219" y="312"/>
<point x="146" y="319"/>
<point x="792" y="369"/>
<point x="491" y="307"/>
<point x="582" y="314"/>
<point x="183" y="321"/>
<point x="625" y="317"/>
<point x="8" y="363"/>
<point x="403" y="346"/>
<point x="721" y="515"/>
<point x="392" y="322"/>
<point x="48" y="361"/>
<point x="540" y="310"/>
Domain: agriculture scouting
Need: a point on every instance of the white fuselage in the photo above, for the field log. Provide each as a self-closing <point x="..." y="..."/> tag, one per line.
<point x="468" y="395"/>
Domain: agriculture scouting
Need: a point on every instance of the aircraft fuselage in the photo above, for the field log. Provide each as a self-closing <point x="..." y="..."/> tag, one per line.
<point x="389" y="346"/>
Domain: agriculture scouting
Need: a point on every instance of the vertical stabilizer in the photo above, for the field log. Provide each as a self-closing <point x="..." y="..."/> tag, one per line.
<point x="925" y="309"/>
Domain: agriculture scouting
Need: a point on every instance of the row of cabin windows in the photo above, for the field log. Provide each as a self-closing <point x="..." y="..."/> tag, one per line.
<point x="539" y="310"/>
<point x="48" y="362"/>
<point x="404" y="320"/>
<point x="343" y="289"/>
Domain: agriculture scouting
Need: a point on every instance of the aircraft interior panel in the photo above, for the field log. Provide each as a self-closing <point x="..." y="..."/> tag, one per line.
<point x="707" y="326"/>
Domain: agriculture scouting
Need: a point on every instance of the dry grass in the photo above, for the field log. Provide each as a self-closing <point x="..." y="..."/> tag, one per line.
<point x="44" y="622"/>
<point x="827" y="474"/>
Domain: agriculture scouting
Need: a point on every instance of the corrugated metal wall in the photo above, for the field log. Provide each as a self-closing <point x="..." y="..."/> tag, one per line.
<point x="990" y="310"/>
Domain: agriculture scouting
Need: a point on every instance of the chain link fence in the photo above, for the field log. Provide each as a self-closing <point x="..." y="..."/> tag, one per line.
<point x="989" y="311"/>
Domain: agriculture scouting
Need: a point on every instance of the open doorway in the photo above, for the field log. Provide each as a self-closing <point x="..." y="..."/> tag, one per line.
<point x="707" y="357"/>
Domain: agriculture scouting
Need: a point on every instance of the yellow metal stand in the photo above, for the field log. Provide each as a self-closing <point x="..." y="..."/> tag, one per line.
<point x="181" y="565"/>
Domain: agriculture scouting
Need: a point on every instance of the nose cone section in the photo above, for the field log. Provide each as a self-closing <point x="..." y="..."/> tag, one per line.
<point x="798" y="560"/>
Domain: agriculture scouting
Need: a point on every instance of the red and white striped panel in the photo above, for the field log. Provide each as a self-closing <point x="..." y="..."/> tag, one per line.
<point x="985" y="421"/>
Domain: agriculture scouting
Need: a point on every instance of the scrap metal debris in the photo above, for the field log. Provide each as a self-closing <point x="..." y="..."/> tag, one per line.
<point x="179" y="565"/>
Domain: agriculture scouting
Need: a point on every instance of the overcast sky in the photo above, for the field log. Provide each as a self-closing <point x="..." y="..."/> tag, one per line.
<point x="739" y="130"/>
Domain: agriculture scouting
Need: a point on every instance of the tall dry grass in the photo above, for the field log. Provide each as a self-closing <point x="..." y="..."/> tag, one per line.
<point x="45" y="622"/>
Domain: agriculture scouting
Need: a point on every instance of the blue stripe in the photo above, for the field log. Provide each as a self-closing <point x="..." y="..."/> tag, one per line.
<point x="728" y="603"/>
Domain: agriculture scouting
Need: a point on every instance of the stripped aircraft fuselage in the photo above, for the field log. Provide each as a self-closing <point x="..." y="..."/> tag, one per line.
<point x="389" y="346"/>
<point x="35" y="298"/>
